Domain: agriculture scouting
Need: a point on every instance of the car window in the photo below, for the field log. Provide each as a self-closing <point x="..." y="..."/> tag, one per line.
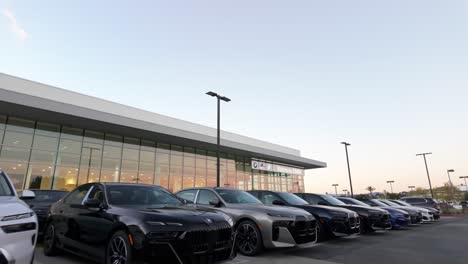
<point x="237" y="196"/>
<point x="77" y="196"/>
<point x="291" y="198"/>
<point x="416" y="200"/>
<point x="48" y="196"/>
<point x="141" y="196"/>
<point x="5" y="188"/>
<point x="268" y="198"/>
<point x="97" y="193"/>
<point x="312" y="199"/>
<point x="206" y="196"/>
<point x="188" y="195"/>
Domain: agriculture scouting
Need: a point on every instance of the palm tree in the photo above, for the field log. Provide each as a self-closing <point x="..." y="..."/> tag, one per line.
<point x="370" y="189"/>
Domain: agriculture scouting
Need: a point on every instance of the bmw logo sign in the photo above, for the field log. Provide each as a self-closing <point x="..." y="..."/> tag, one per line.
<point x="208" y="221"/>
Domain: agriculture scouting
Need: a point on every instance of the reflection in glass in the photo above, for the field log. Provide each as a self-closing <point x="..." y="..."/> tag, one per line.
<point x="44" y="157"/>
<point x="70" y="146"/>
<point x="45" y="143"/>
<point x="39" y="176"/>
<point x="87" y="174"/>
<point x="16" y="139"/>
<point x="46" y="129"/>
<point x="145" y="178"/>
<point x="65" y="178"/>
<point x="130" y="154"/>
<point x="129" y="165"/>
<point x="112" y="152"/>
<point x="15" y="154"/>
<point x="129" y="176"/>
<point x="108" y="176"/>
<point x="20" y="125"/>
<point x="111" y="164"/>
<point x="16" y="172"/>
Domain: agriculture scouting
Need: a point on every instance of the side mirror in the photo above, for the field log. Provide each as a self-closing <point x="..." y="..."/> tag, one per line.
<point x="27" y="195"/>
<point x="278" y="202"/>
<point x="93" y="203"/>
<point x="216" y="202"/>
<point x="322" y="203"/>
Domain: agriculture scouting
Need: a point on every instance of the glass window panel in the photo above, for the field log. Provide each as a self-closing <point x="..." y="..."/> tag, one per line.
<point x="20" y="125"/>
<point x="189" y="171"/>
<point x="91" y="155"/>
<point x="129" y="165"/>
<point x="94" y="137"/>
<point x="70" y="146"/>
<point x="200" y="172"/>
<point x="45" y="143"/>
<point x="130" y="177"/>
<point x="1" y="137"/>
<point x="111" y="164"/>
<point x="112" y="152"/>
<point x="162" y="158"/>
<point x="148" y="145"/>
<point x="15" y="154"/>
<point x="188" y="182"/>
<point x="46" y="129"/>
<point x="163" y="181"/>
<point x="130" y="154"/>
<point x="65" y="178"/>
<point x="175" y="183"/>
<point x="147" y="156"/>
<point x="44" y="157"/>
<point x="163" y="148"/>
<point x="200" y="182"/>
<point x="146" y="178"/>
<point x="109" y="176"/>
<point x="211" y="154"/>
<point x="68" y="159"/>
<point x="211" y="182"/>
<point x="176" y="160"/>
<point x="16" y="172"/>
<point x="162" y="169"/>
<point x="2" y="121"/>
<point x="231" y="166"/>
<point x="39" y="176"/>
<point x="211" y="174"/>
<point x="189" y="161"/>
<point x="88" y="175"/>
<point x="146" y="167"/>
<point x="200" y="161"/>
<point x="189" y="150"/>
<point x="16" y="139"/>
<point x="72" y="133"/>
<point x="131" y="142"/>
<point x="113" y="140"/>
<point x="178" y="149"/>
<point x="211" y="163"/>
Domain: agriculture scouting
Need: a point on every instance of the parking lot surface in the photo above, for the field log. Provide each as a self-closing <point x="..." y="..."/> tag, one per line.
<point x="442" y="242"/>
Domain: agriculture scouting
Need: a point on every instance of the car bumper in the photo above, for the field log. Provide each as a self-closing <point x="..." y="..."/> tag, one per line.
<point x="380" y="222"/>
<point x="345" y="227"/>
<point x="290" y="234"/>
<point x="18" y="247"/>
<point x="398" y="221"/>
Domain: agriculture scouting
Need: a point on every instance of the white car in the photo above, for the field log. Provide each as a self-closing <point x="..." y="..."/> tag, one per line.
<point x="18" y="225"/>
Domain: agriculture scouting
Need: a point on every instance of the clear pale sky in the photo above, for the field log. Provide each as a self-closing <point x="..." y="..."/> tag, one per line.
<point x="390" y="77"/>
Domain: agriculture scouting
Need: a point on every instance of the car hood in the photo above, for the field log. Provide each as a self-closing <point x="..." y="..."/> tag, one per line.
<point x="327" y="208"/>
<point x="418" y="209"/>
<point x="362" y="208"/>
<point x="392" y="210"/>
<point x="12" y="205"/>
<point x="270" y="209"/>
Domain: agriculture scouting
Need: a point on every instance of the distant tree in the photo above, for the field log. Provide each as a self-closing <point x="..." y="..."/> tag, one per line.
<point x="370" y="189"/>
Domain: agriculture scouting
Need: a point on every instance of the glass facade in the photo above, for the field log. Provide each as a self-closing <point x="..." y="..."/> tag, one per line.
<point x="39" y="155"/>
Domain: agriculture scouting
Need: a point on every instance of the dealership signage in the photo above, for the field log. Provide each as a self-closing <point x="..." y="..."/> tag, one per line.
<point x="265" y="166"/>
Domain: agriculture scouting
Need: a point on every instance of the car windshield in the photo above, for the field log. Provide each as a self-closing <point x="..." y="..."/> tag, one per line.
<point x="332" y="200"/>
<point x="389" y="203"/>
<point x="402" y="203"/>
<point x="5" y="188"/>
<point x="141" y="196"/>
<point x="292" y="199"/>
<point x="237" y="196"/>
<point x="379" y="203"/>
<point x="47" y="196"/>
<point x="357" y="202"/>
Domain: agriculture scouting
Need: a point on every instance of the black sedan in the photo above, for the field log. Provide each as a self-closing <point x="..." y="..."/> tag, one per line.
<point x="331" y="221"/>
<point x="42" y="202"/>
<point x="123" y="223"/>
<point x="371" y="218"/>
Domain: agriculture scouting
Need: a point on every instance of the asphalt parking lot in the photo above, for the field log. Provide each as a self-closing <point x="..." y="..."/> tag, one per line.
<point x="442" y="242"/>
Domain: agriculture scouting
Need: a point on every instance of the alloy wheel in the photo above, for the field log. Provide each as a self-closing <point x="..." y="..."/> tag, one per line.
<point x="248" y="238"/>
<point x="118" y="253"/>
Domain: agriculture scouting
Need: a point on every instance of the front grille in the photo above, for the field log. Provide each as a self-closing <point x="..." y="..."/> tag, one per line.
<point x="303" y="231"/>
<point x="19" y="228"/>
<point x="206" y="238"/>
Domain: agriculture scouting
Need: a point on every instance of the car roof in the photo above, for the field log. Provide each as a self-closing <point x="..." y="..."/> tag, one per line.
<point x="125" y="184"/>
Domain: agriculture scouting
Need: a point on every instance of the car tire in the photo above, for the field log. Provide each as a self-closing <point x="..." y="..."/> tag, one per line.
<point x="321" y="232"/>
<point x="249" y="239"/>
<point x="50" y="241"/>
<point x="118" y="247"/>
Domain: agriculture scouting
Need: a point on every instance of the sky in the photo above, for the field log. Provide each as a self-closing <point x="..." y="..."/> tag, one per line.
<point x="390" y="77"/>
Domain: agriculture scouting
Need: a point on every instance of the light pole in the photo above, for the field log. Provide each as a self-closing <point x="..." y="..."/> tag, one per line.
<point x="391" y="186"/>
<point x="346" y="144"/>
<point x="345" y="192"/>
<point x="336" y="190"/>
<point x="466" y="186"/>
<point x="427" y="170"/>
<point x="448" y="174"/>
<point x="411" y="188"/>
<point x="218" y="142"/>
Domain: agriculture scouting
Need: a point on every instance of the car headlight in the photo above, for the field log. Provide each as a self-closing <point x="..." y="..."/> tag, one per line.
<point x="153" y="223"/>
<point x="399" y="215"/>
<point x="18" y="216"/>
<point x="280" y="215"/>
<point x="229" y="219"/>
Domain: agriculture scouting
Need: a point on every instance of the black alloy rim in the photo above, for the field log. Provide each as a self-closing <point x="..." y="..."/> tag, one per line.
<point x="49" y="236"/>
<point x="248" y="238"/>
<point x="118" y="251"/>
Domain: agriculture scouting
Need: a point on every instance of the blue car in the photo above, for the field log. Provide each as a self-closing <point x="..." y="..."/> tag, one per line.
<point x="398" y="217"/>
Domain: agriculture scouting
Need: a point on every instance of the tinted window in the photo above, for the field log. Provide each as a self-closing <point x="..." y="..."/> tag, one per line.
<point x="389" y="203"/>
<point x="48" y="196"/>
<point x="268" y="198"/>
<point x="415" y="200"/>
<point x="312" y="199"/>
<point x="140" y="196"/>
<point x="97" y="193"/>
<point x="77" y="196"/>
<point x="332" y="200"/>
<point x="379" y="203"/>
<point x="206" y="196"/>
<point x="292" y="199"/>
<point x="237" y="196"/>
<point x="5" y="188"/>
<point x="353" y="201"/>
<point x="188" y="195"/>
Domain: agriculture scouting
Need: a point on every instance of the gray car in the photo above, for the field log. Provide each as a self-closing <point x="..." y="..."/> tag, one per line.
<point x="258" y="226"/>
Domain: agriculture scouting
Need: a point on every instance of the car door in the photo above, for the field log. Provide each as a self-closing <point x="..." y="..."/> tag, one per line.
<point x="96" y="224"/>
<point x="68" y="230"/>
<point x="205" y="197"/>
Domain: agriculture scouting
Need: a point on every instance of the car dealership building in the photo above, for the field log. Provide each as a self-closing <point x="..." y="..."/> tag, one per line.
<point x="57" y="139"/>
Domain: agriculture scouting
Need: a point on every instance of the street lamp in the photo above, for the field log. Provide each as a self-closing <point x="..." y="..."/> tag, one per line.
<point x="345" y="192"/>
<point x="336" y="185"/>
<point x="427" y="170"/>
<point x="466" y="186"/>
<point x="346" y="144"/>
<point x="411" y="188"/>
<point x="218" y="142"/>
<point x="448" y="174"/>
<point x="391" y="186"/>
